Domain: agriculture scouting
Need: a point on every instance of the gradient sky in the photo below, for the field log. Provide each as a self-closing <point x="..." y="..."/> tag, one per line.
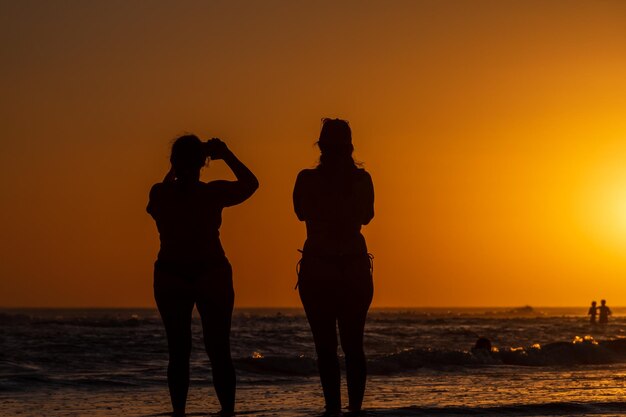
<point x="495" y="132"/>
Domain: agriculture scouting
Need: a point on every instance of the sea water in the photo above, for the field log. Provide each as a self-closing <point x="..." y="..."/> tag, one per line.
<point x="100" y="362"/>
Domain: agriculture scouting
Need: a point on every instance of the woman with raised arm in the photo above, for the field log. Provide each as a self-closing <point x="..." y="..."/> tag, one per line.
<point x="335" y="280"/>
<point x="191" y="268"/>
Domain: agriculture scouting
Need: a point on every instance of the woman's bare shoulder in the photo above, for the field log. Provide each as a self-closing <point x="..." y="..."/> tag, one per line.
<point x="307" y="172"/>
<point x="156" y="189"/>
<point x="363" y="174"/>
<point x="307" y="175"/>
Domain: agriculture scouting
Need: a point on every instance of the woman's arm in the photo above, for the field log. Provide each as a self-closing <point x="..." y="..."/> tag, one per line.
<point x="368" y="201"/>
<point x="298" y="194"/>
<point x="234" y="192"/>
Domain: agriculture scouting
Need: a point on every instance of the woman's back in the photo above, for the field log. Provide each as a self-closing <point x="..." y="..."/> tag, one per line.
<point x="334" y="207"/>
<point x="188" y="218"/>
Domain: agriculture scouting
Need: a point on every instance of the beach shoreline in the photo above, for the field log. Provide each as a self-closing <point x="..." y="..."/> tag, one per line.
<point x="448" y="392"/>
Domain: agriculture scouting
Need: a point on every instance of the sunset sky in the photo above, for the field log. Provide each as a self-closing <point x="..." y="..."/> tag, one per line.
<point x="495" y="133"/>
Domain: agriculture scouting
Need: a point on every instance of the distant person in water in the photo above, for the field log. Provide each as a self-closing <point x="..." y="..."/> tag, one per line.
<point x="592" y="313"/>
<point x="191" y="268"/>
<point x="604" y="312"/>
<point x="335" y="281"/>
<point x="482" y="344"/>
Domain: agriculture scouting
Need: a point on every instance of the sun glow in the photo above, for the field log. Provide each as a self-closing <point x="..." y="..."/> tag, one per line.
<point x="604" y="200"/>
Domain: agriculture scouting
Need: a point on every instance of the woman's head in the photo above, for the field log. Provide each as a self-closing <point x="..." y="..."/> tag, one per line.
<point x="188" y="156"/>
<point x="335" y="143"/>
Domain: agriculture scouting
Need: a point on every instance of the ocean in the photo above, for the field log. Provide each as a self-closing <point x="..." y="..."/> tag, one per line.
<point x="112" y="362"/>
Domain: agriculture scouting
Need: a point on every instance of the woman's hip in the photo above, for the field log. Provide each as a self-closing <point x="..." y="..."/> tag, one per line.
<point x="346" y="269"/>
<point x="194" y="281"/>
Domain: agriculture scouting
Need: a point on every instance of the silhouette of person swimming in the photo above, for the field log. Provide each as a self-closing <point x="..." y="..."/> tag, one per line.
<point x="592" y="313"/>
<point x="191" y="267"/>
<point x="482" y="344"/>
<point x="335" y="279"/>
<point x="604" y="312"/>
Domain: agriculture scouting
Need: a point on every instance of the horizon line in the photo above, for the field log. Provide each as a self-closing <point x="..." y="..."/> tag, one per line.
<point x="297" y="307"/>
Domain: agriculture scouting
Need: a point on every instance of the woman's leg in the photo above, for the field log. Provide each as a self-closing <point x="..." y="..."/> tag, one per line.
<point x="215" y="305"/>
<point x="175" y="309"/>
<point x="317" y="293"/>
<point x="357" y="297"/>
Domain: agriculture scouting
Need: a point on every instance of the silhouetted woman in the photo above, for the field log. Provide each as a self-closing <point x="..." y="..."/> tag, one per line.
<point x="335" y="282"/>
<point x="191" y="268"/>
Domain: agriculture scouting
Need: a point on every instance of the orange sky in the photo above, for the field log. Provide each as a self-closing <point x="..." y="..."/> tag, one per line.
<point x="495" y="133"/>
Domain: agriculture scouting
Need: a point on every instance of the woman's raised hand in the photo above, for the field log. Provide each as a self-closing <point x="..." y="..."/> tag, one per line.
<point x="216" y="149"/>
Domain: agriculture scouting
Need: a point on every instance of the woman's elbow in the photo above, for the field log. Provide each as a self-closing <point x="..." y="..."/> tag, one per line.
<point x="251" y="187"/>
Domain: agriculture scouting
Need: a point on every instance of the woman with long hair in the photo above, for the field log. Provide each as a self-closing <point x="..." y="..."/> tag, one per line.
<point x="191" y="267"/>
<point x="335" y="280"/>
